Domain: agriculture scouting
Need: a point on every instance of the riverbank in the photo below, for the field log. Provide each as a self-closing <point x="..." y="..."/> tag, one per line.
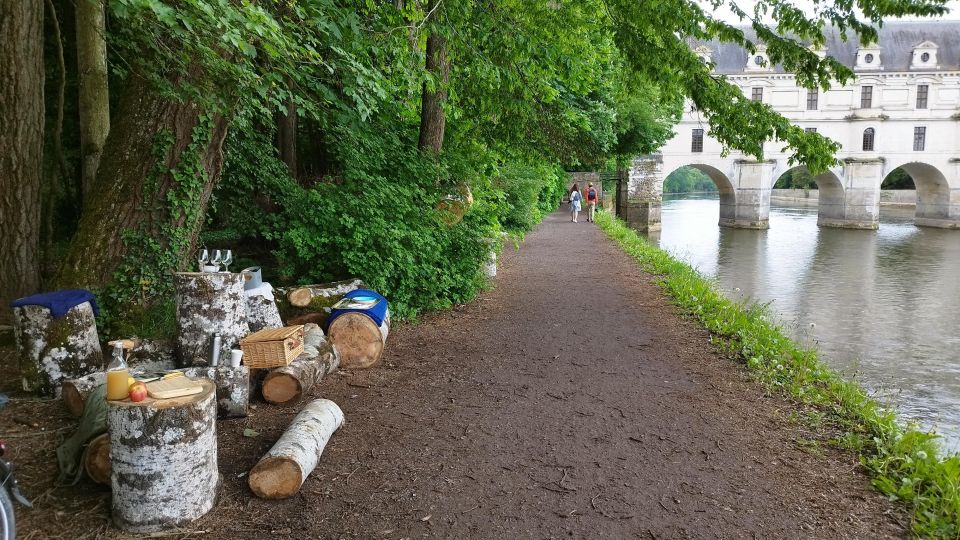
<point x="904" y="462"/>
<point x="571" y="400"/>
<point x="895" y="198"/>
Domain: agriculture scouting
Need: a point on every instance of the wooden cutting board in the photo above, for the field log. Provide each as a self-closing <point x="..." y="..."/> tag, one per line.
<point x="175" y="387"/>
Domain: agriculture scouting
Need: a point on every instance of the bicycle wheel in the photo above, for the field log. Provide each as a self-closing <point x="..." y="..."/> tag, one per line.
<point x="8" y="526"/>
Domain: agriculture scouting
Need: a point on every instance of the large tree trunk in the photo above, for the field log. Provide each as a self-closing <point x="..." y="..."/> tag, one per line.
<point x="287" y="137"/>
<point x="21" y="148"/>
<point x="94" y="97"/>
<point x="157" y="150"/>
<point x="432" y="118"/>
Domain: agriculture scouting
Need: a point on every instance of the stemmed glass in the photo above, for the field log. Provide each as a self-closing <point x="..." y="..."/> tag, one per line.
<point x="202" y="257"/>
<point x="227" y="259"/>
<point x="217" y="259"/>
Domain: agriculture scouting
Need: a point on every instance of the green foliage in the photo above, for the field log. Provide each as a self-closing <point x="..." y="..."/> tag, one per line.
<point x="686" y="180"/>
<point x="898" y="179"/>
<point x="796" y="178"/>
<point x="906" y="464"/>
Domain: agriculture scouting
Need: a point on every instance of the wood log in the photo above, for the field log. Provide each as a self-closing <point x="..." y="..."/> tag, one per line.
<point x="262" y="309"/>
<point x="147" y="358"/>
<point x="358" y="339"/>
<point x="163" y="456"/>
<point x="289" y="383"/>
<point x="233" y="388"/>
<point x="208" y="303"/>
<point x="314" y="302"/>
<point x="281" y="472"/>
<point x="53" y="350"/>
<point x="96" y="459"/>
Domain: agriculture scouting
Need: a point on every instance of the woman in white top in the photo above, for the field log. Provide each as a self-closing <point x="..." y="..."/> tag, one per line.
<point x="575" y="198"/>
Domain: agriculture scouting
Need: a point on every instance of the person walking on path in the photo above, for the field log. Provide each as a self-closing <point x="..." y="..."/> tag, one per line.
<point x="575" y="199"/>
<point x="591" y="201"/>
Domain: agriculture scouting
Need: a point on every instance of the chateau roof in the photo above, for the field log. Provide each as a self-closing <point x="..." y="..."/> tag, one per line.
<point x="897" y="41"/>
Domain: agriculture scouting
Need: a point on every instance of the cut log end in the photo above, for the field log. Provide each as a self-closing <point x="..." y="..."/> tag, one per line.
<point x="73" y="399"/>
<point x="275" y="478"/>
<point x="96" y="459"/>
<point x="358" y="340"/>
<point x="300" y="297"/>
<point x="279" y="388"/>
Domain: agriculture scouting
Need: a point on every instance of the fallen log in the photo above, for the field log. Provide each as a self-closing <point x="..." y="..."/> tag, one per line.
<point x="313" y="303"/>
<point x="208" y="302"/>
<point x="75" y="391"/>
<point x="358" y="339"/>
<point x="281" y="472"/>
<point x="289" y="383"/>
<point x="96" y="459"/>
<point x="163" y="456"/>
<point x="54" y="349"/>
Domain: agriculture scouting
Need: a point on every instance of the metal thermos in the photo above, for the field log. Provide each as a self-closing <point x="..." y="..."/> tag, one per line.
<point x="215" y="353"/>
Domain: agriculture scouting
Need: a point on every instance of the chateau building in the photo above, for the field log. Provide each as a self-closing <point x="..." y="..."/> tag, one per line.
<point x="902" y="109"/>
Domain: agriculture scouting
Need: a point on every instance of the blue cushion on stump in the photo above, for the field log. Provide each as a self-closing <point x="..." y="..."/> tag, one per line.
<point x="59" y="302"/>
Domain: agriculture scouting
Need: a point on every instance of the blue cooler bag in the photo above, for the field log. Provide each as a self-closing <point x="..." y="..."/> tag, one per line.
<point x="368" y="302"/>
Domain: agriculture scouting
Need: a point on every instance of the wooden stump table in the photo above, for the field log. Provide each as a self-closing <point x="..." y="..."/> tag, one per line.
<point x="208" y="302"/>
<point x="163" y="459"/>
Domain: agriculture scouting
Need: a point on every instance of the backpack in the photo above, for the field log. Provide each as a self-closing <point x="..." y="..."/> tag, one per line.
<point x="591" y="194"/>
<point x="575" y="196"/>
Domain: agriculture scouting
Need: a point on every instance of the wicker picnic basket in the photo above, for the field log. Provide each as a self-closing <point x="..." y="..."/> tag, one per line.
<point x="272" y="347"/>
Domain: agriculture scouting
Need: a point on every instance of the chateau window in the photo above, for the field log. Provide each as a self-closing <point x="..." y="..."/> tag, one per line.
<point x="810" y="130"/>
<point x="925" y="57"/>
<point x="868" y="140"/>
<point x="696" y="144"/>
<point x="812" y="98"/>
<point x="757" y="93"/>
<point x="868" y="58"/>
<point x="866" y="97"/>
<point x="922" y="91"/>
<point x="919" y="138"/>
<point x="758" y="60"/>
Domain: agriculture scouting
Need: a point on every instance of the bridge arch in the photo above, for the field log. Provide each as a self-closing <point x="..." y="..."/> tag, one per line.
<point x="933" y="191"/>
<point x="728" y="198"/>
<point x="830" y="198"/>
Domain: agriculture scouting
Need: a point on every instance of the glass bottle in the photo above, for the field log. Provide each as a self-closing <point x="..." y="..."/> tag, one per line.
<point x="117" y="375"/>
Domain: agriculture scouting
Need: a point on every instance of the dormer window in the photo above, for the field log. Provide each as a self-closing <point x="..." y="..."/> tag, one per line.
<point x="759" y="61"/>
<point x="868" y="57"/>
<point x="925" y="56"/>
<point x="705" y="54"/>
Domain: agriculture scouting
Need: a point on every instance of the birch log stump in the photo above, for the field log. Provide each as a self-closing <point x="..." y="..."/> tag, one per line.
<point x="313" y="303"/>
<point x="281" y="472"/>
<point x="291" y="382"/>
<point x="51" y="350"/>
<point x="163" y="458"/>
<point x="358" y="339"/>
<point x="208" y="303"/>
<point x="262" y="309"/>
<point x="233" y="388"/>
<point x="96" y="459"/>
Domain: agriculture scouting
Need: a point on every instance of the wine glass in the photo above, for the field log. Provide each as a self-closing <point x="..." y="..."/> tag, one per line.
<point x="227" y="259"/>
<point x="217" y="259"/>
<point x="202" y="257"/>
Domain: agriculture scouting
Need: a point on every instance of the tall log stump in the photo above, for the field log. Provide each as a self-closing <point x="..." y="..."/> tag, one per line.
<point x="358" y="339"/>
<point x="262" y="309"/>
<point x="289" y="383"/>
<point x="163" y="459"/>
<point x="54" y="349"/>
<point x="208" y="303"/>
<point x="233" y="388"/>
<point x="281" y="472"/>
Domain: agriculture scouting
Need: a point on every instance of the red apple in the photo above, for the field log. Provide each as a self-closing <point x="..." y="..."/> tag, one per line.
<point x="138" y="392"/>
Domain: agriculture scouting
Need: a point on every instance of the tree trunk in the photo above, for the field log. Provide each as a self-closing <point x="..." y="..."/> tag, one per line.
<point x="313" y="303"/>
<point x="93" y="93"/>
<point x="76" y="391"/>
<point x="21" y="148"/>
<point x="158" y="168"/>
<point x="52" y="349"/>
<point x="233" y="388"/>
<point x="287" y="137"/>
<point x="358" y="339"/>
<point x="262" y="309"/>
<point x="209" y="303"/>
<point x="96" y="459"/>
<point x="281" y="472"/>
<point x="163" y="456"/>
<point x="432" y="118"/>
<point x="289" y="383"/>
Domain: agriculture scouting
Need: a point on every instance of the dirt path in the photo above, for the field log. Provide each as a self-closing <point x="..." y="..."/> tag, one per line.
<point x="569" y="401"/>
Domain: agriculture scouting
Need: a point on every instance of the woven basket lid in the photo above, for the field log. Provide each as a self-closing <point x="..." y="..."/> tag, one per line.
<point x="272" y="334"/>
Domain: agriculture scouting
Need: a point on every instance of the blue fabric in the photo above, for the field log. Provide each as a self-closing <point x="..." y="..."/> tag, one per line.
<point x="59" y="302"/>
<point x="377" y="312"/>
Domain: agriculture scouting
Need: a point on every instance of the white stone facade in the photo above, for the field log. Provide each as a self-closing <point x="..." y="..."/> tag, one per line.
<point x="905" y="97"/>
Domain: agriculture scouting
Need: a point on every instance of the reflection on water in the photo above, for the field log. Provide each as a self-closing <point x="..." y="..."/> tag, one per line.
<point x="882" y="306"/>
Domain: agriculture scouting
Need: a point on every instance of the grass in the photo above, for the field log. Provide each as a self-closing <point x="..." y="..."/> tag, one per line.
<point x="904" y="463"/>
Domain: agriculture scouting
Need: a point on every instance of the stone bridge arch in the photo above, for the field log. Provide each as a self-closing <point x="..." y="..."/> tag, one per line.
<point x="938" y="192"/>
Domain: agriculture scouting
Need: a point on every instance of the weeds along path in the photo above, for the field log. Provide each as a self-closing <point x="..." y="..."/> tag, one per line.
<point x="572" y="400"/>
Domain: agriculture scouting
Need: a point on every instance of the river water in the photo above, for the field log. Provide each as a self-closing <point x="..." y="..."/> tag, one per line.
<point x="883" y="307"/>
